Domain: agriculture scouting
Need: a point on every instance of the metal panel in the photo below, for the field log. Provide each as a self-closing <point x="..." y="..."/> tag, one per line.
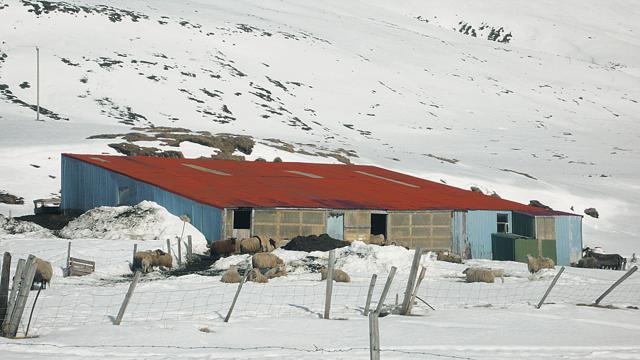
<point x="459" y="232"/>
<point x="523" y="224"/>
<point x="86" y="186"/>
<point x="480" y="225"/>
<point x="335" y="225"/>
<point x="568" y="239"/>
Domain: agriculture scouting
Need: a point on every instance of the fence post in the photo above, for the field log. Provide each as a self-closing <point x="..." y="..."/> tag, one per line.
<point x="553" y="283"/>
<point x="374" y="277"/>
<point x="135" y="250"/>
<point x="329" y="289"/>
<point x="623" y="278"/>
<point x="68" y="268"/>
<point x="235" y="297"/>
<point x="387" y="285"/>
<point x="17" y="280"/>
<point x="179" y="240"/>
<point x="415" y="290"/>
<point x="127" y="297"/>
<point x="4" y="286"/>
<point x="26" y="280"/>
<point x="169" y="247"/>
<point x="189" y="247"/>
<point x="412" y="280"/>
<point x="374" y="337"/>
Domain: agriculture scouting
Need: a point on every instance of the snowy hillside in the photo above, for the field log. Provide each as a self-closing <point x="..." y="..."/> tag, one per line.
<point x="532" y="100"/>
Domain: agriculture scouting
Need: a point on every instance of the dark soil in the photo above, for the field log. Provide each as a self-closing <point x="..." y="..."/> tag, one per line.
<point x="310" y="243"/>
<point x="7" y="198"/>
<point x="49" y="221"/>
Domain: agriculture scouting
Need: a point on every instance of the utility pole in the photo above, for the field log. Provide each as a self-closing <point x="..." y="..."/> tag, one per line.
<point x="38" y="83"/>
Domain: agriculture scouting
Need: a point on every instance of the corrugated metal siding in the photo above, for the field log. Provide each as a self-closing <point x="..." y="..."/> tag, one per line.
<point x="568" y="239"/>
<point x="480" y="225"/>
<point x="523" y="224"/>
<point x="85" y="186"/>
<point x="459" y="232"/>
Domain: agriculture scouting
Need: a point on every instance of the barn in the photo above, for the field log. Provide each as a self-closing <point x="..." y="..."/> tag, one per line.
<point x="351" y="202"/>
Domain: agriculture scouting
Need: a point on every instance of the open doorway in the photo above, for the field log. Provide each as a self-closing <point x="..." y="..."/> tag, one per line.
<point x="241" y="223"/>
<point x="379" y="224"/>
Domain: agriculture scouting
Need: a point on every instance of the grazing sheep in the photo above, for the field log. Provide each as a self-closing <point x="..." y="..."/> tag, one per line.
<point x="44" y="273"/>
<point x="251" y="245"/>
<point x="538" y="263"/>
<point x="279" y="270"/>
<point x="338" y="275"/>
<point x="231" y="275"/>
<point x="143" y="261"/>
<point x="265" y="260"/>
<point x="377" y="239"/>
<point x="478" y="274"/>
<point x="223" y="248"/>
<point x="161" y="258"/>
<point x="256" y="276"/>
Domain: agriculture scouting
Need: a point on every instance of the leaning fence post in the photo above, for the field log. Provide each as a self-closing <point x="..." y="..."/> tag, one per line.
<point x="412" y="280"/>
<point x="387" y="285"/>
<point x="623" y="278"/>
<point x="179" y="240"/>
<point x="553" y="283"/>
<point x="415" y="290"/>
<point x="374" y="277"/>
<point x="4" y="286"/>
<point x="127" y="297"/>
<point x="235" y="298"/>
<point x="26" y="280"/>
<point x="17" y="280"/>
<point x="329" y="289"/>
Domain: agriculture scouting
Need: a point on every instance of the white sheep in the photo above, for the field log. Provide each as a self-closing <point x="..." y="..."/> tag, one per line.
<point x="44" y="273"/>
<point x="279" y="270"/>
<point x="338" y="275"/>
<point x="251" y="245"/>
<point x="535" y="264"/>
<point x="256" y="276"/>
<point x="231" y="275"/>
<point x="478" y="274"/>
<point x="265" y="260"/>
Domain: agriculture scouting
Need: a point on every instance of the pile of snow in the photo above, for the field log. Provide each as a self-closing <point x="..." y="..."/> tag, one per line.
<point x="11" y="226"/>
<point x="145" y="221"/>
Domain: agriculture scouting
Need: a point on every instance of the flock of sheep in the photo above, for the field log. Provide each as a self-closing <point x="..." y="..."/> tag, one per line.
<point x="486" y="275"/>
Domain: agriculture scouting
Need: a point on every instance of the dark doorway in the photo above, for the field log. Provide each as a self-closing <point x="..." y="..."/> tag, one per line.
<point x="379" y="224"/>
<point x="242" y="219"/>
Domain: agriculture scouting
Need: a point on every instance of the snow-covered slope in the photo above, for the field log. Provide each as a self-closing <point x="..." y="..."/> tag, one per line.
<point x="549" y="112"/>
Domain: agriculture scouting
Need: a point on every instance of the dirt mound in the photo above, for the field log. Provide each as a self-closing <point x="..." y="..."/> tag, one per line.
<point x="311" y="243"/>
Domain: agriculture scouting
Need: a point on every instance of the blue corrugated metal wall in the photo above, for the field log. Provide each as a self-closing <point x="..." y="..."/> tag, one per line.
<point x="85" y="186"/>
<point x="568" y="239"/>
<point x="459" y="230"/>
<point x="480" y="225"/>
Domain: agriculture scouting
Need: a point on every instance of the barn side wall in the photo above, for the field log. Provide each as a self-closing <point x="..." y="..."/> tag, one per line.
<point x="86" y="186"/>
<point x="429" y="229"/>
<point x="480" y="225"/>
<point x="568" y="231"/>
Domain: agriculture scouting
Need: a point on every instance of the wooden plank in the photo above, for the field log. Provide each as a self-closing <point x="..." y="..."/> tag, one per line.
<point x="68" y="255"/>
<point x="415" y="290"/>
<point x="553" y="283"/>
<point x="235" y="297"/>
<point x="135" y="250"/>
<point x="387" y="285"/>
<point x="374" y="277"/>
<point x="23" y="293"/>
<point x="127" y="297"/>
<point x="623" y="278"/>
<point x="374" y="337"/>
<point x="83" y="262"/>
<point x="329" y="287"/>
<point x="189" y="247"/>
<point x="4" y="285"/>
<point x="179" y="251"/>
<point x="412" y="280"/>
<point x="17" y="278"/>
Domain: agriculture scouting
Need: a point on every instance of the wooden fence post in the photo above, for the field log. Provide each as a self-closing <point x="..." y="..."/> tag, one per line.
<point x="623" y="278"/>
<point x="169" y="247"/>
<point x="135" y="250"/>
<point x="374" y="277"/>
<point x="4" y="286"/>
<point x="235" y="297"/>
<point x="412" y="280"/>
<point x="26" y="280"/>
<point x="127" y="297"/>
<point x="374" y="337"/>
<point x="189" y="247"/>
<point x="17" y="280"/>
<point x="415" y="290"/>
<point x="67" y="269"/>
<point x="553" y="283"/>
<point x="387" y="285"/>
<point x="179" y="240"/>
<point x="329" y="289"/>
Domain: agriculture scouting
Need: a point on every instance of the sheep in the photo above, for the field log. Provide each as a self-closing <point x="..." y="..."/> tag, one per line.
<point x="535" y="264"/>
<point x="143" y="261"/>
<point x="256" y="276"/>
<point x="377" y="239"/>
<point x="161" y="258"/>
<point x="448" y="257"/>
<point x="265" y="260"/>
<point x="231" y="275"/>
<point x="44" y="273"/>
<point x="338" y="275"/>
<point x="279" y="270"/>
<point x="478" y="274"/>
<point x="223" y="248"/>
<point x="251" y="245"/>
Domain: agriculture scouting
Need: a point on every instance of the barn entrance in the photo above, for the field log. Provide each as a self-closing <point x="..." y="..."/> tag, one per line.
<point x="242" y="223"/>
<point x="379" y="224"/>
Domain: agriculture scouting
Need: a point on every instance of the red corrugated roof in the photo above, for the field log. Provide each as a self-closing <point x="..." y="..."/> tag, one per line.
<point x="229" y="184"/>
